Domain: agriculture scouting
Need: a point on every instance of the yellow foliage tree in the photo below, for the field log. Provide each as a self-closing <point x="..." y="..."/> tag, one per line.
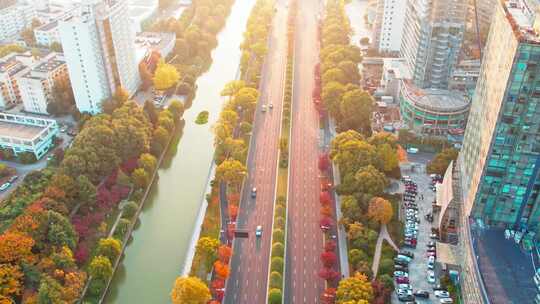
<point x="232" y="172"/>
<point x="356" y="289"/>
<point x="166" y="76"/>
<point x="380" y="210"/>
<point x="190" y="290"/>
<point x="10" y="280"/>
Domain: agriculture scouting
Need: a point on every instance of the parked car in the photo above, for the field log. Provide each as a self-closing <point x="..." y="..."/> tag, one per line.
<point x="431" y="277"/>
<point x="402" y="280"/>
<point x="404" y="298"/>
<point x="404" y="258"/>
<point x="403" y="268"/>
<point x="13" y="178"/>
<point x="401" y="274"/>
<point x="401" y="262"/>
<point x="407" y="253"/>
<point x="421" y="294"/>
<point x="446" y="301"/>
<point x="5" y="186"/>
<point x="441" y="294"/>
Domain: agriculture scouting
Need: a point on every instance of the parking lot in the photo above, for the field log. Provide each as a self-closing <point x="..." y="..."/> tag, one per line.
<point x="418" y="266"/>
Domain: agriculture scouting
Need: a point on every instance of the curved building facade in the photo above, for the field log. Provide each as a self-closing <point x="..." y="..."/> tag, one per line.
<point x="433" y="111"/>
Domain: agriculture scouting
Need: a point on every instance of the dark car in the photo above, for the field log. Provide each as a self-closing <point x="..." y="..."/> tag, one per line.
<point x="399" y="267"/>
<point x="400" y="262"/>
<point x="405" y="298"/>
<point x="422" y="294"/>
<point x="407" y="253"/>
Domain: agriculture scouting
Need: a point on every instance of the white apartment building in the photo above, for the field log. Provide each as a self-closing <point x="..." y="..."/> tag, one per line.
<point x="36" y="82"/>
<point x="14" y="18"/>
<point x="389" y="25"/>
<point x="98" y="44"/>
<point x="47" y="34"/>
<point x="10" y="65"/>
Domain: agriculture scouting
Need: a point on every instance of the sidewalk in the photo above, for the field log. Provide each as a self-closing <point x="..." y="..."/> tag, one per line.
<point x="383" y="235"/>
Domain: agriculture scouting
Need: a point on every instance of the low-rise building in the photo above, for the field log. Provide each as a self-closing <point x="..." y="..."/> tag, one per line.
<point x="395" y="71"/>
<point x="27" y="134"/>
<point x="47" y="34"/>
<point x="433" y="111"/>
<point x="36" y="83"/>
<point x="148" y="42"/>
<point x="465" y="75"/>
<point x="10" y="65"/>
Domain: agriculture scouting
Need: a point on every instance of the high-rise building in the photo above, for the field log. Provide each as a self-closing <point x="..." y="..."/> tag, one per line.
<point x="500" y="158"/>
<point x="98" y="44"/>
<point x="432" y="38"/>
<point x="483" y="10"/>
<point x="15" y="17"/>
<point x="388" y="28"/>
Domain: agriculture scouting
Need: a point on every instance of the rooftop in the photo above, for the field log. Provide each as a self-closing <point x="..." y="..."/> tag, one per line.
<point x="522" y="15"/>
<point x="435" y="99"/>
<point x="506" y="269"/>
<point x="49" y="63"/>
<point x="48" y="26"/>
<point x="20" y="131"/>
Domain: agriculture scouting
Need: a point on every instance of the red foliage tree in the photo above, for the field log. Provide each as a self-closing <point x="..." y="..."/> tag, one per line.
<point x="381" y="294"/>
<point x="81" y="253"/>
<point x="328" y="258"/>
<point x="111" y="179"/>
<point x="129" y="165"/>
<point x="329" y="274"/>
<point x="224" y="253"/>
<point x="326" y="223"/>
<point x="222" y="270"/>
<point x="330" y="245"/>
<point x="326" y="210"/>
<point x="233" y="212"/>
<point x="217" y="284"/>
<point x="324" y="162"/>
<point x="328" y="296"/>
<point x="325" y="198"/>
<point x="233" y="198"/>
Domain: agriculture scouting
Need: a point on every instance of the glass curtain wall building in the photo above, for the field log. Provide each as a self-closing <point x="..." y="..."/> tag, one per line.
<point x="500" y="157"/>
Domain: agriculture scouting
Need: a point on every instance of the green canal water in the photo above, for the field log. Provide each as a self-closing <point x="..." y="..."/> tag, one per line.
<point x="160" y="243"/>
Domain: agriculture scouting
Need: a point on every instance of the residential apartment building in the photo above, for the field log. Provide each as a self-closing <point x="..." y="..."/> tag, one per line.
<point x="36" y="83"/>
<point x="47" y="34"/>
<point x="483" y="10"/>
<point x="14" y="17"/>
<point x="98" y="44"/>
<point x="500" y="158"/>
<point x="10" y="65"/>
<point x="388" y="29"/>
<point x="432" y="38"/>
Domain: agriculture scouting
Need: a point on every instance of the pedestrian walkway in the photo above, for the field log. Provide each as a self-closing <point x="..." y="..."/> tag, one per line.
<point x="383" y="235"/>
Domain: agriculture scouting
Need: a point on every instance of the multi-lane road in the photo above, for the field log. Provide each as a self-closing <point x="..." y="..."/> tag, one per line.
<point x="250" y="262"/>
<point x="304" y="237"/>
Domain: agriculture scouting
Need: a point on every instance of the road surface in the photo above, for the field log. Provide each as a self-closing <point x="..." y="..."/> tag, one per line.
<point x="304" y="237"/>
<point x="250" y="262"/>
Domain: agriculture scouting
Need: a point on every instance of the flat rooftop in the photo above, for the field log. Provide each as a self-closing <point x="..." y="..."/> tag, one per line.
<point x="436" y="99"/>
<point x="506" y="269"/>
<point x="48" y="26"/>
<point x="522" y="14"/>
<point x="15" y="130"/>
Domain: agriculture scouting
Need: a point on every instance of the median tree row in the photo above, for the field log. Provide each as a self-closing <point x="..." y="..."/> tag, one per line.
<point x="364" y="162"/>
<point x="232" y="134"/>
<point x="57" y="224"/>
<point x="279" y="229"/>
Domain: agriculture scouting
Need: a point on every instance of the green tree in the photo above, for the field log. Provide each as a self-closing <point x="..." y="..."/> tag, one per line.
<point x="50" y="291"/>
<point x="148" y="162"/>
<point x="356" y="256"/>
<point x="276" y="280"/>
<point x="277" y="264"/>
<point x="109" y="248"/>
<point x="190" y="290"/>
<point x="356" y="108"/>
<point x="60" y="231"/>
<point x="176" y="107"/>
<point x="161" y="136"/>
<point x="151" y="111"/>
<point x="100" y="268"/>
<point x="388" y="157"/>
<point x="350" y="208"/>
<point x="86" y="190"/>
<point x="370" y="180"/>
<point x="129" y="210"/>
<point x="140" y="177"/>
<point x="356" y="288"/>
<point x="334" y="74"/>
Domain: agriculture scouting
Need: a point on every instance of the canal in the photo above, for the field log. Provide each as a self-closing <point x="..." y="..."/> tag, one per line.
<point x="156" y="254"/>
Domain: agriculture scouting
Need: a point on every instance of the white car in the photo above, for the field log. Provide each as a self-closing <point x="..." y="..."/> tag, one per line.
<point x="431" y="277"/>
<point x="258" y="231"/>
<point x="4" y="186"/>
<point x="441" y="294"/>
<point x="446" y="301"/>
<point x="270" y="106"/>
<point x="263" y="108"/>
<point x="404" y="286"/>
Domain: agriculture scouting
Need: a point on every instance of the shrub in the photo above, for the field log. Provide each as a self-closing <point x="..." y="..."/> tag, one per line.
<point x="278" y="235"/>
<point x="278" y="249"/>
<point x="276" y="280"/>
<point x="279" y="222"/>
<point x="130" y="209"/>
<point x="274" y="296"/>
<point x="121" y="228"/>
<point x="277" y="264"/>
<point x="386" y="266"/>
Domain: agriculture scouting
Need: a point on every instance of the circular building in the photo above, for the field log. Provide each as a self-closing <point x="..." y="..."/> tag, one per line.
<point x="433" y="111"/>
